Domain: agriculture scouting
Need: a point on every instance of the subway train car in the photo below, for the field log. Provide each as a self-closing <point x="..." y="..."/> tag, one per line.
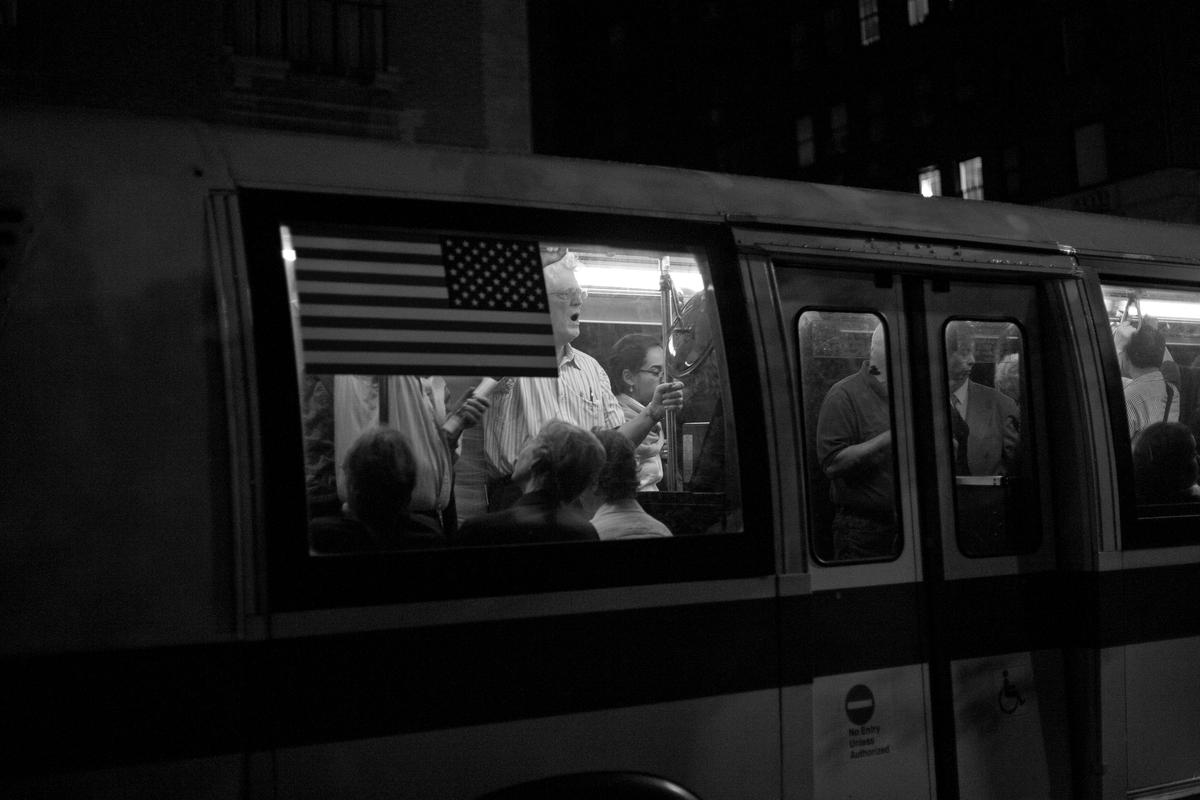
<point x="933" y="524"/>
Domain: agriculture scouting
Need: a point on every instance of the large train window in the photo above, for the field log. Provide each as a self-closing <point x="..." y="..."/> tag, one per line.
<point x="995" y="500"/>
<point x="1156" y="332"/>
<point x="463" y="391"/>
<point x="848" y="414"/>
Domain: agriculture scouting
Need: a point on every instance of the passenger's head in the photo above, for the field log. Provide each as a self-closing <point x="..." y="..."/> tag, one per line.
<point x="618" y="479"/>
<point x="1164" y="460"/>
<point x="878" y="357"/>
<point x="380" y="474"/>
<point x="1008" y="376"/>
<point x="562" y="459"/>
<point x="564" y="293"/>
<point x="1146" y="347"/>
<point x="635" y="366"/>
<point x="960" y="352"/>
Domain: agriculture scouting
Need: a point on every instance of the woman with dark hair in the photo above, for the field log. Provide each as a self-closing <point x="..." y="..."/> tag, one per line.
<point x="635" y="367"/>
<point x="620" y="516"/>
<point x="1164" y="464"/>
<point x="380" y="474"/>
<point x="553" y="470"/>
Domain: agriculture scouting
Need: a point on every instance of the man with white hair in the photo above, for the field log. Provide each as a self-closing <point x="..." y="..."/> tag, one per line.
<point x="580" y="395"/>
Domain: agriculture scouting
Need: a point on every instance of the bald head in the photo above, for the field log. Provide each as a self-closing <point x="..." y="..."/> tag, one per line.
<point x="878" y="357"/>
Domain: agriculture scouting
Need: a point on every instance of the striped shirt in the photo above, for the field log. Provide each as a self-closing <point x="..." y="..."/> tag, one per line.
<point x="1146" y="402"/>
<point x="579" y="395"/>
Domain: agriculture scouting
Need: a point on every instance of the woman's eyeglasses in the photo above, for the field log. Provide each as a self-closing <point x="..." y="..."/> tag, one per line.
<point x="656" y="371"/>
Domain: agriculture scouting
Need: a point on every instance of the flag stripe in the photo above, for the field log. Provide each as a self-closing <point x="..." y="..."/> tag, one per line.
<point x="479" y="364"/>
<point x="420" y="335"/>
<point x="356" y="326"/>
<point x="318" y="298"/>
<point x="320" y="269"/>
<point x="424" y="247"/>
<point x="368" y="257"/>
<point x="361" y="346"/>
<point x="370" y="291"/>
<point x="451" y="315"/>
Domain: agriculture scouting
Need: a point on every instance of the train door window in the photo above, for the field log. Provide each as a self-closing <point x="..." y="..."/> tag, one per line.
<point x="1156" y="333"/>
<point x="996" y="508"/>
<point x="848" y="413"/>
<point x="482" y="390"/>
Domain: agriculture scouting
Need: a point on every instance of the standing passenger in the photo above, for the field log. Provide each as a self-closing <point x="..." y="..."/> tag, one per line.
<point x="854" y="446"/>
<point x="580" y="394"/>
<point x="1148" y="396"/>
<point x="635" y="368"/>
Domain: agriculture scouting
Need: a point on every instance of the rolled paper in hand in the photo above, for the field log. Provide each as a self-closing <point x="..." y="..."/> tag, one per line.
<point x="455" y="422"/>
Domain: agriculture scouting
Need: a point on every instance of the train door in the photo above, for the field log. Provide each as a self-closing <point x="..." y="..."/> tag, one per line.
<point x="935" y="646"/>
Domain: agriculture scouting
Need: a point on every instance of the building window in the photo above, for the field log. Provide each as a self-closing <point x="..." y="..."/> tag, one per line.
<point x="839" y="128"/>
<point x="930" y="181"/>
<point x="806" y="146"/>
<point x="970" y="178"/>
<point x="876" y="118"/>
<point x="1012" y="171"/>
<point x="335" y="37"/>
<point x="833" y="30"/>
<point x="868" y="21"/>
<point x="1091" y="155"/>
<point x="918" y="10"/>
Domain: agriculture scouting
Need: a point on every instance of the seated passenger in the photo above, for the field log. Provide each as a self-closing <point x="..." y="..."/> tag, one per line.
<point x="635" y="369"/>
<point x="553" y="470"/>
<point x="1164" y="464"/>
<point x="417" y="406"/>
<point x="380" y="474"/>
<point x="620" y="516"/>
<point x="985" y="423"/>
<point x="1149" y="398"/>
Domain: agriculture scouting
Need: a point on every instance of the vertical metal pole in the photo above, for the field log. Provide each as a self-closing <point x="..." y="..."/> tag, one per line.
<point x="667" y="305"/>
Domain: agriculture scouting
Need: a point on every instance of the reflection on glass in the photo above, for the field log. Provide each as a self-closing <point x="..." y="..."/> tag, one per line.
<point x="844" y="366"/>
<point x="995" y="508"/>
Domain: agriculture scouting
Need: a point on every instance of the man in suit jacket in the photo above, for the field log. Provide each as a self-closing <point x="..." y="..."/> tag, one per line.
<point x="986" y="423"/>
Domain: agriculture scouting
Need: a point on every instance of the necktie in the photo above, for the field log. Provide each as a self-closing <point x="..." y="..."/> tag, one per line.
<point x="961" y="432"/>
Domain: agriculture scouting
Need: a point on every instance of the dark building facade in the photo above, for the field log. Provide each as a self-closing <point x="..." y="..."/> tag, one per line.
<point x="1088" y="105"/>
<point x="450" y="72"/>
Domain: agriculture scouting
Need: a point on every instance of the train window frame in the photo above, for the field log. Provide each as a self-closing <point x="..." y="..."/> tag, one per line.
<point x="297" y="580"/>
<point x="810" y="506"/>
<point x="1029" y="433"/>
<point x="1144" y="526"/>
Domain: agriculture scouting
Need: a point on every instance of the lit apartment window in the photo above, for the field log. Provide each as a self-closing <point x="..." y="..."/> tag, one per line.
<point x="839" y="128"/>
<point x="806" y="145"/>
<point x="868" y="20"/>
<point x="930" y="181"/>
<point x="1091" y="155"/>
<point x="970" y="178"/>
<point x="336" y="37"/>
<point x="918" y="10"/>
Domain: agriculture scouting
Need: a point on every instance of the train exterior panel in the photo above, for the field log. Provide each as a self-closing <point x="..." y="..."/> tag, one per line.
<point x="1017" y="615"/>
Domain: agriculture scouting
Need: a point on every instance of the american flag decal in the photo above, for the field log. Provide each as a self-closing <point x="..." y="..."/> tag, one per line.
<point x="448" y="305"/>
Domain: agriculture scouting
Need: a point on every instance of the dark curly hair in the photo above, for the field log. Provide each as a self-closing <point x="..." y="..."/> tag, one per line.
<point x="380" y="474"/>
<point x="1146" y="347"/>
<point x="628" y="353"/>
<point x="618" y="478"/>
